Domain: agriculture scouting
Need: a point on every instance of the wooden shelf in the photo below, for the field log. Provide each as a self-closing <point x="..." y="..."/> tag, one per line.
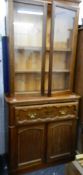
<point x="37" y="49"/>
<point x="39" y="72"/>
<point x="61" y="71"/>
<point x="62" y="50"/>
<point x="27" y="72"/>
<point x="59" y="50"/>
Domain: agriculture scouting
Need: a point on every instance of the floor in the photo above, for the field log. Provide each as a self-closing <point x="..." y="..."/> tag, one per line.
<point x="56" y="170"/>
<point x="70" y="168"/>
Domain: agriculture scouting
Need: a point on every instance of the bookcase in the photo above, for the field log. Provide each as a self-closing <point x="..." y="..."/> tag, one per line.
<point x="39" y="60"/>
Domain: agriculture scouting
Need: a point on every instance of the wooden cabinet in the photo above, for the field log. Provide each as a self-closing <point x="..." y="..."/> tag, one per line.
<point x="39" y="61"/>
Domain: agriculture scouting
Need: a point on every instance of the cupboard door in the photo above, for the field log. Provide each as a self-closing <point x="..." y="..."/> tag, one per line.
<point x="31" y="145"/>
<point x="63" y="45"/>
<point x="29" y="45"/>
<point x="61" y="140"/>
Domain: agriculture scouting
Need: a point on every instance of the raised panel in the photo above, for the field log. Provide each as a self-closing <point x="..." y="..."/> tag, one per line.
<point x="61" y="140"/>
<point x="31" y="145"/>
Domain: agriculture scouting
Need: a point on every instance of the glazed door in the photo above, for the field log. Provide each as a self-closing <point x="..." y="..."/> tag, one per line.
<point x="63" y="46"/>
<point x="61" y="140"/>
<point x="31" y="145"/>
<point x="29" y="46"/>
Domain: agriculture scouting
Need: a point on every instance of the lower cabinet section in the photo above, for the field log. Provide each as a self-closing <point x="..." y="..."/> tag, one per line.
<point x="40" y="143"/>
<point x="42" y="135"/>
<point x="61" y="140"/>
<point x="31" y="144"/>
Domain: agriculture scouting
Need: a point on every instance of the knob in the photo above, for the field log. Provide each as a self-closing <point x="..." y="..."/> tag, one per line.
<point x="32" y="116"/>
<point x="63" y="112"/>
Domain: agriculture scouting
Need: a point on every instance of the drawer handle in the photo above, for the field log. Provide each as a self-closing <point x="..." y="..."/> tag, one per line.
<point x="32" y="116"/>
<point x="63" y="112"/>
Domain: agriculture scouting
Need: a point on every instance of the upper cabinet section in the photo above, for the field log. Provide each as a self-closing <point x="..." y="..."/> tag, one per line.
<point x="28" y="26"/>
<point x="42" y="46"/>
<point x="64" y="20"/>
<point x="63" y="44"/>
<point x="29" y="46"/>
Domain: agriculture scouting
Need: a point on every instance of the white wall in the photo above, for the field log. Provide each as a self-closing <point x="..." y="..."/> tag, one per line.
<point x="81" y="12"/>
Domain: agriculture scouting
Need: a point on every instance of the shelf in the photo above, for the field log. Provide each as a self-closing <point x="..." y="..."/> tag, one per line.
<point x="27" y="72"/>
<point x="39" y="72"/>
<point x="37" y="49"/>
<point x="61" y="71"/>
<point x="60" y="50"/>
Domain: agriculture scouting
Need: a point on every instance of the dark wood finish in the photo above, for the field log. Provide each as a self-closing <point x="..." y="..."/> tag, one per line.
<point x="45" y="113"/>
<point x="78" y="85"/>
<point x="22" y="99"/>
<point x="24" y="151"/>
<point x="12" y="149"/>
<point x="79" y="71"/>
<point x="51" y="54"/>
<point x="44" y="50"/>
<point x="10" y="33"/>
<point x="31" y="141"/>
<point x="64" y="144"/>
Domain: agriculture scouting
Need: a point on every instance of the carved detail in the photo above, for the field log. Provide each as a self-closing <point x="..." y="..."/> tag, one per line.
<point x="46" y="112"/>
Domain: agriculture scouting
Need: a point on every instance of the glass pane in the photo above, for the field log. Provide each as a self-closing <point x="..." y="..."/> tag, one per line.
<point x="61" y="61"/>
<point x="60" y="81"/>
<point x="27" y="61"/>
<point x="27" y="82"/>
<point x="64" y="20"/>
<point x="63" y="28"/>
<point x="28" y="34"/>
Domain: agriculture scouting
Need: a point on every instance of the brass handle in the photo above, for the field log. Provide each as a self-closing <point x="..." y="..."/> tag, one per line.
<point x="63" y="112"/>
<point x="32" y="116"/>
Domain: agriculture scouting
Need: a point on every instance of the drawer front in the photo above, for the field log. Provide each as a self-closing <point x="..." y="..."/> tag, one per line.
<point x="45" y="112"/>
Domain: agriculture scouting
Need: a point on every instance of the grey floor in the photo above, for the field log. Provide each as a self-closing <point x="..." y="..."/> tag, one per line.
<point x="56" y="170"/>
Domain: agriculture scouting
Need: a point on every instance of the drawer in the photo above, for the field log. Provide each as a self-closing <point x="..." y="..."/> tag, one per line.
<point x="48" y="112"/>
